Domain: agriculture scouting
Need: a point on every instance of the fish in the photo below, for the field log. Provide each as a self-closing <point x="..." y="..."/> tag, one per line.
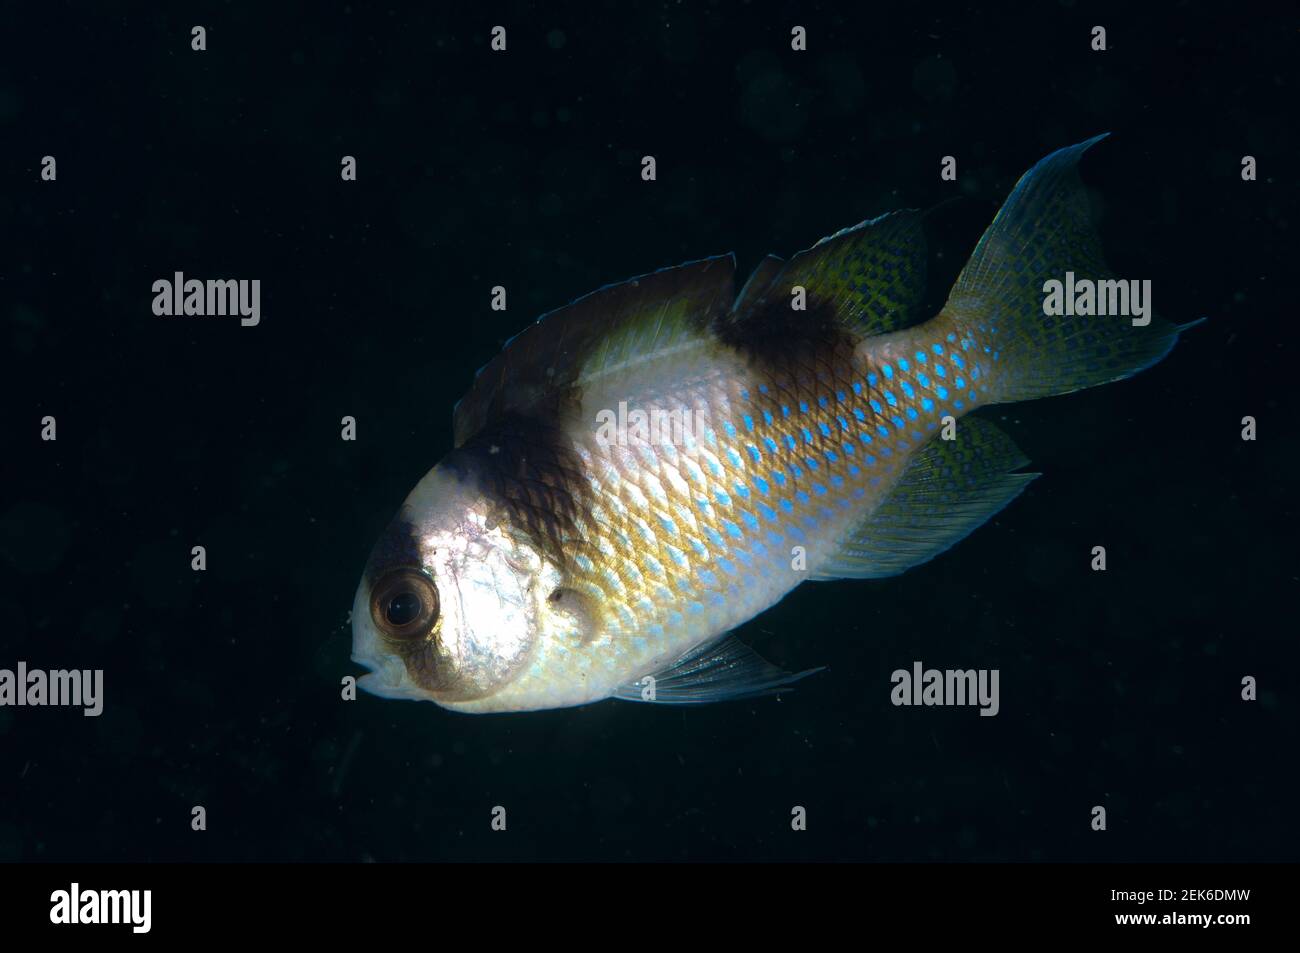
<point x="637" y="474"/>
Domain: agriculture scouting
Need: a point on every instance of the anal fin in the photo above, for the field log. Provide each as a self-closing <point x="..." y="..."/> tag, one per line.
<point x="949" y="490"/>
<point x="722" y="670"/>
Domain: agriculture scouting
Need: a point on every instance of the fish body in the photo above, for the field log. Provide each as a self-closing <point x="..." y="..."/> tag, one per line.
<point x="642" y="471"/>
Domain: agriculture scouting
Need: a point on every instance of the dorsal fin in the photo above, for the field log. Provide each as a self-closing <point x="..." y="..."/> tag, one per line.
<point x="867" y="280"/>
<point x="540" y="370"/>
<point x="762" y="276"/>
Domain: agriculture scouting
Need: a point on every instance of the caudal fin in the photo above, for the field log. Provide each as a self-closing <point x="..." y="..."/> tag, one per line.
<point x="1043" y="231"/>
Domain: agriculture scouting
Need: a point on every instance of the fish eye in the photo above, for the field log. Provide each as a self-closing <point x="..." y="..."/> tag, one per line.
<point x="404" y="605"/>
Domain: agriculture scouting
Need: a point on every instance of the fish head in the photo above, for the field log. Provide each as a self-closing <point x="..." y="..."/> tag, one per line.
<point x="452" y="601"/>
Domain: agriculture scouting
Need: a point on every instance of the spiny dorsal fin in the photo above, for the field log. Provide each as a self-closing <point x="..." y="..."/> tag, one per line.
<point x="867" y="279"/>
<point x="950" y="489"/>
<point x="762" y="276"/>
<point x="539" y="370"/>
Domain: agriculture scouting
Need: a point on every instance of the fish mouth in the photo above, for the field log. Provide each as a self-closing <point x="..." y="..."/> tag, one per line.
<point x="388" y="677"/>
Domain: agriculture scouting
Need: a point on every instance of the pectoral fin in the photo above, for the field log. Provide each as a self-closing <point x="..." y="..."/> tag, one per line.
<point x="723" y="670"/>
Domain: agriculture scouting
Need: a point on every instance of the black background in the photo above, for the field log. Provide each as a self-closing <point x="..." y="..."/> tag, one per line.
<point x="522" y="169"/>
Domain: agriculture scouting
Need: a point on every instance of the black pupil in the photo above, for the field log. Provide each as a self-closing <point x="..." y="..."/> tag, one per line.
<point x="403" y="608"/>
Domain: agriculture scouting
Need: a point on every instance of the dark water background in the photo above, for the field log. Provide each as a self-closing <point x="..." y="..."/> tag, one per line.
<point x="522" y="169"/>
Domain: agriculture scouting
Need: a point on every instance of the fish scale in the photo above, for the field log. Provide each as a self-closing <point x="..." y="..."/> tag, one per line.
<point x="777" y="464"/>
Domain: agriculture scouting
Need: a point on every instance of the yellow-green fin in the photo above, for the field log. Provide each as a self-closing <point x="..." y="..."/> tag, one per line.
<point x="867" y="279"/>
<point x="949" y="490"/>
